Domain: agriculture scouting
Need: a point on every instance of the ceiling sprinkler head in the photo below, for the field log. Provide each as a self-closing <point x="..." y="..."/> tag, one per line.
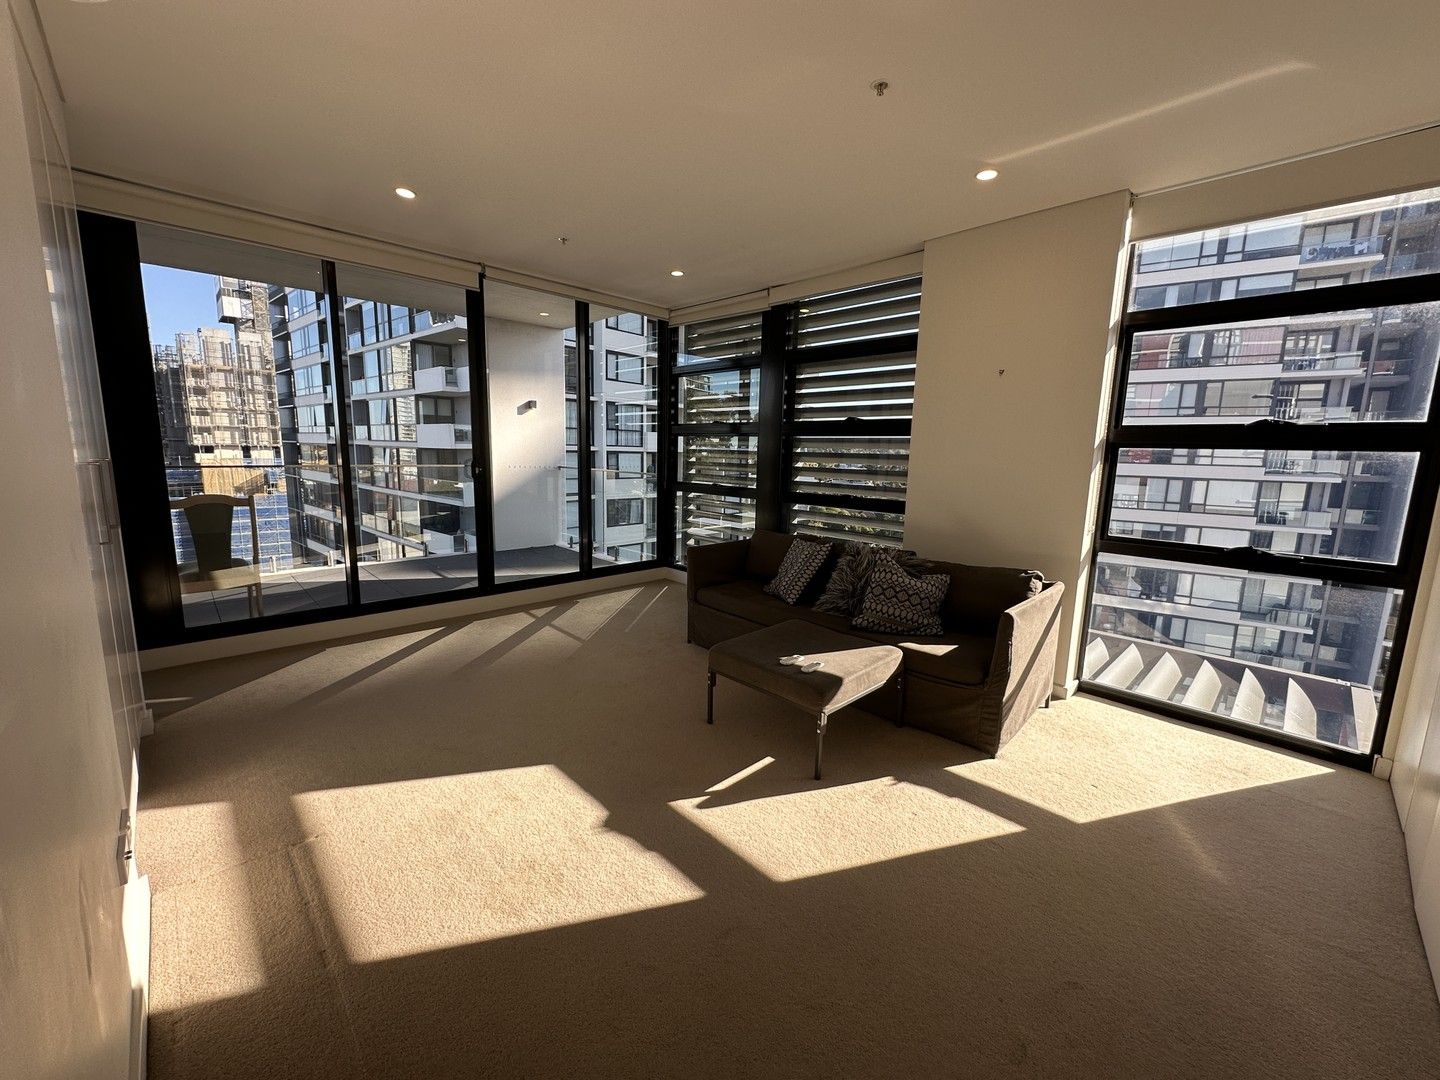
<point x="879" y="86"/>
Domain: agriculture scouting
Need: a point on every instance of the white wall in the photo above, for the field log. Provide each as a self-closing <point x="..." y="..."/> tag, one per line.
<point x="66" y="1003"/>
<point x="1003" y="467"/>
<point x="526" y="362"/>
<point x="1415" y="775"/>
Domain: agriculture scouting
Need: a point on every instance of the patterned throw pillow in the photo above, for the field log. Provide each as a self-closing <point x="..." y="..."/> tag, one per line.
<point x="845" y="590"/>
<point x="801" y="563"/>
<point x="896" y="603"/>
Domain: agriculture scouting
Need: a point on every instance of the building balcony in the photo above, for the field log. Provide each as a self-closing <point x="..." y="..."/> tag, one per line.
<point x="1286" y="518"/>
<point x="442" y="436"/>
<point x="1367" y="249"/>
<point x="1332" y="365"/>
<point x="442" y="380"/>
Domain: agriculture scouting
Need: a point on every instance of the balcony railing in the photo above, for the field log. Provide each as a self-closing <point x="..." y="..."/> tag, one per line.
<point x="1346" y="361"/>
<point x="1342" y="249"/>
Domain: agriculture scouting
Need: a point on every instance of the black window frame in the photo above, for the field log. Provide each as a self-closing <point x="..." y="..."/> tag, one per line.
<point x="111" y="253"/>
<point x="776" y="426"/>
<point x="1421" y="437"/>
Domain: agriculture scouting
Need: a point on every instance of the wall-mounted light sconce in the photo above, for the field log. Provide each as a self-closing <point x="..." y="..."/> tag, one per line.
<point x="527" y="406"/>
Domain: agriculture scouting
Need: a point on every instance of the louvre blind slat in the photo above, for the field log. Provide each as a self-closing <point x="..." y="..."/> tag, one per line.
<point x="864" y="467"/>
<point x="876" y="311"/>
<point x="730" y="338"/>
<point x="878" y="388"/>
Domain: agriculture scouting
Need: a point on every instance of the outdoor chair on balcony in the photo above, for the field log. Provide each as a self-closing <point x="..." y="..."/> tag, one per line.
<point x="210" y="519"/>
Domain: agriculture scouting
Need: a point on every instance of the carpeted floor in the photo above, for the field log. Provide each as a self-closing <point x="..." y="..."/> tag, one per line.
<point x="512" y="847"/>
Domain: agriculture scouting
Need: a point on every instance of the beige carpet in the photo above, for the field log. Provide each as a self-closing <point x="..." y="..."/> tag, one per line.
<point x="512" y="847"/>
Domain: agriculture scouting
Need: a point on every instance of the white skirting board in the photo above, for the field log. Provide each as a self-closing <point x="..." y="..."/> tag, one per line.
<point x="135" y="927"/>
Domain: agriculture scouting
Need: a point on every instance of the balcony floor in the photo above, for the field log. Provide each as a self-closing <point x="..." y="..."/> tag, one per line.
<point x="323" y="587"/>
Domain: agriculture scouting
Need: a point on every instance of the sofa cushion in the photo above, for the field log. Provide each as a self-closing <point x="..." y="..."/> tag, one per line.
<point x="799" y="567"/>
<point x="979" y="594"/>
<point x="897" y="603"/>
<point x="767" y="552"/>
<point x="844" y="590"/>
<point x="747" y="599"/>
<point x="956" y="658"/>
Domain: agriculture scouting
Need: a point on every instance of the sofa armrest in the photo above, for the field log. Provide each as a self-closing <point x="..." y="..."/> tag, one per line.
<point x="1025" y="642"/>
<point x="714" y="564"/>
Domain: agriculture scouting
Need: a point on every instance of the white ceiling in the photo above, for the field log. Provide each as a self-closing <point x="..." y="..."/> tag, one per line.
<point x="736" y="139"/>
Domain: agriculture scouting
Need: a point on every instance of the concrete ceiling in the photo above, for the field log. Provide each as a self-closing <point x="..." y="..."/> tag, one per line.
<point x="738" y="140"/>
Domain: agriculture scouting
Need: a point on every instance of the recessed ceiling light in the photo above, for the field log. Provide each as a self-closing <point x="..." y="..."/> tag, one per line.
<point x="677" y="273"/>
<point x="987" y="174"/>
<point x="544" y="314"/>
<point x="461" y="340"/>
<point x="404" y="193"/>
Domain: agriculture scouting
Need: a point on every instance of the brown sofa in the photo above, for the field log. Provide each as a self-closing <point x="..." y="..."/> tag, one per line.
<point x="978" y="683"/>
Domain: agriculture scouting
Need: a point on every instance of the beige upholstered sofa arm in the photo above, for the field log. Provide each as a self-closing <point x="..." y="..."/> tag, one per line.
<point x="1025" y="644"/>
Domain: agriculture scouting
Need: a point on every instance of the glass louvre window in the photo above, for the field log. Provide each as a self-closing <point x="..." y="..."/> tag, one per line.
<point x="842" y="523"/>
<point x="1259" y="534"/>
<point x="705" y="518"/>
<point x="873" y="388"/>
<point x="719" y="397"/>
<point x="716" y="429"/>
<point x="869" y="313"/>
<point x="725" y="340"/>
<point x="850" y="408"/>
<point x="717" y="460"/>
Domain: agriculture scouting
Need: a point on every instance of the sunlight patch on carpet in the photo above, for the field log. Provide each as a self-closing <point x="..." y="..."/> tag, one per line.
<point x="1086" y="761"/>
<point x="419" y="865"/>
<point x="831" y="829"/>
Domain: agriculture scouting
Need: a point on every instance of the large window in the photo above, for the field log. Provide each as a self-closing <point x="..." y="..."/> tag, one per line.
<point x="248" y="435"/>
<point x="326" y="445"/>
<point x="1270" y="471"/>
<point x="717" y="430"/>
<point x="535" y="431"/>
<point x="411" y="439"/>
<point x="852" y="379"/>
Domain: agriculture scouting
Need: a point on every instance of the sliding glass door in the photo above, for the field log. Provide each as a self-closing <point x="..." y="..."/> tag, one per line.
<point x="243" y="372"/>
<point x="411" y="442"/>
<point x="624" y="408"/>
<point x="534" y="378"/>
<point x="334" y="439"/>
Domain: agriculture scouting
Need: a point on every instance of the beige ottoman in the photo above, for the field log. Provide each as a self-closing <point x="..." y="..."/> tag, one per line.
<point x="851" y="668"/>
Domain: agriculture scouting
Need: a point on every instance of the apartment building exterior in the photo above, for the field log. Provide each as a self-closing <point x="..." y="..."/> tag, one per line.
<point x="220" y="422"/>
<point x="1292" y="653"/>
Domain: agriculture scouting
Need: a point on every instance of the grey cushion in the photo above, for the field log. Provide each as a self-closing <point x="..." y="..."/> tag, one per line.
<point x="799" y="567"/>
<point x="852" y="667"/>
<point x="845" y="589"/>
<point x="896" y="603"/>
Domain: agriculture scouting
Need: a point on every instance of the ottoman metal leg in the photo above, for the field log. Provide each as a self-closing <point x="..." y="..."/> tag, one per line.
<point x="710" y="698"/>
<point x="819" y="741"/>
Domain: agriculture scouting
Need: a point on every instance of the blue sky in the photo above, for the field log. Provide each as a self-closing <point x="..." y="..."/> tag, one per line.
<point x="177" y="300"/>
